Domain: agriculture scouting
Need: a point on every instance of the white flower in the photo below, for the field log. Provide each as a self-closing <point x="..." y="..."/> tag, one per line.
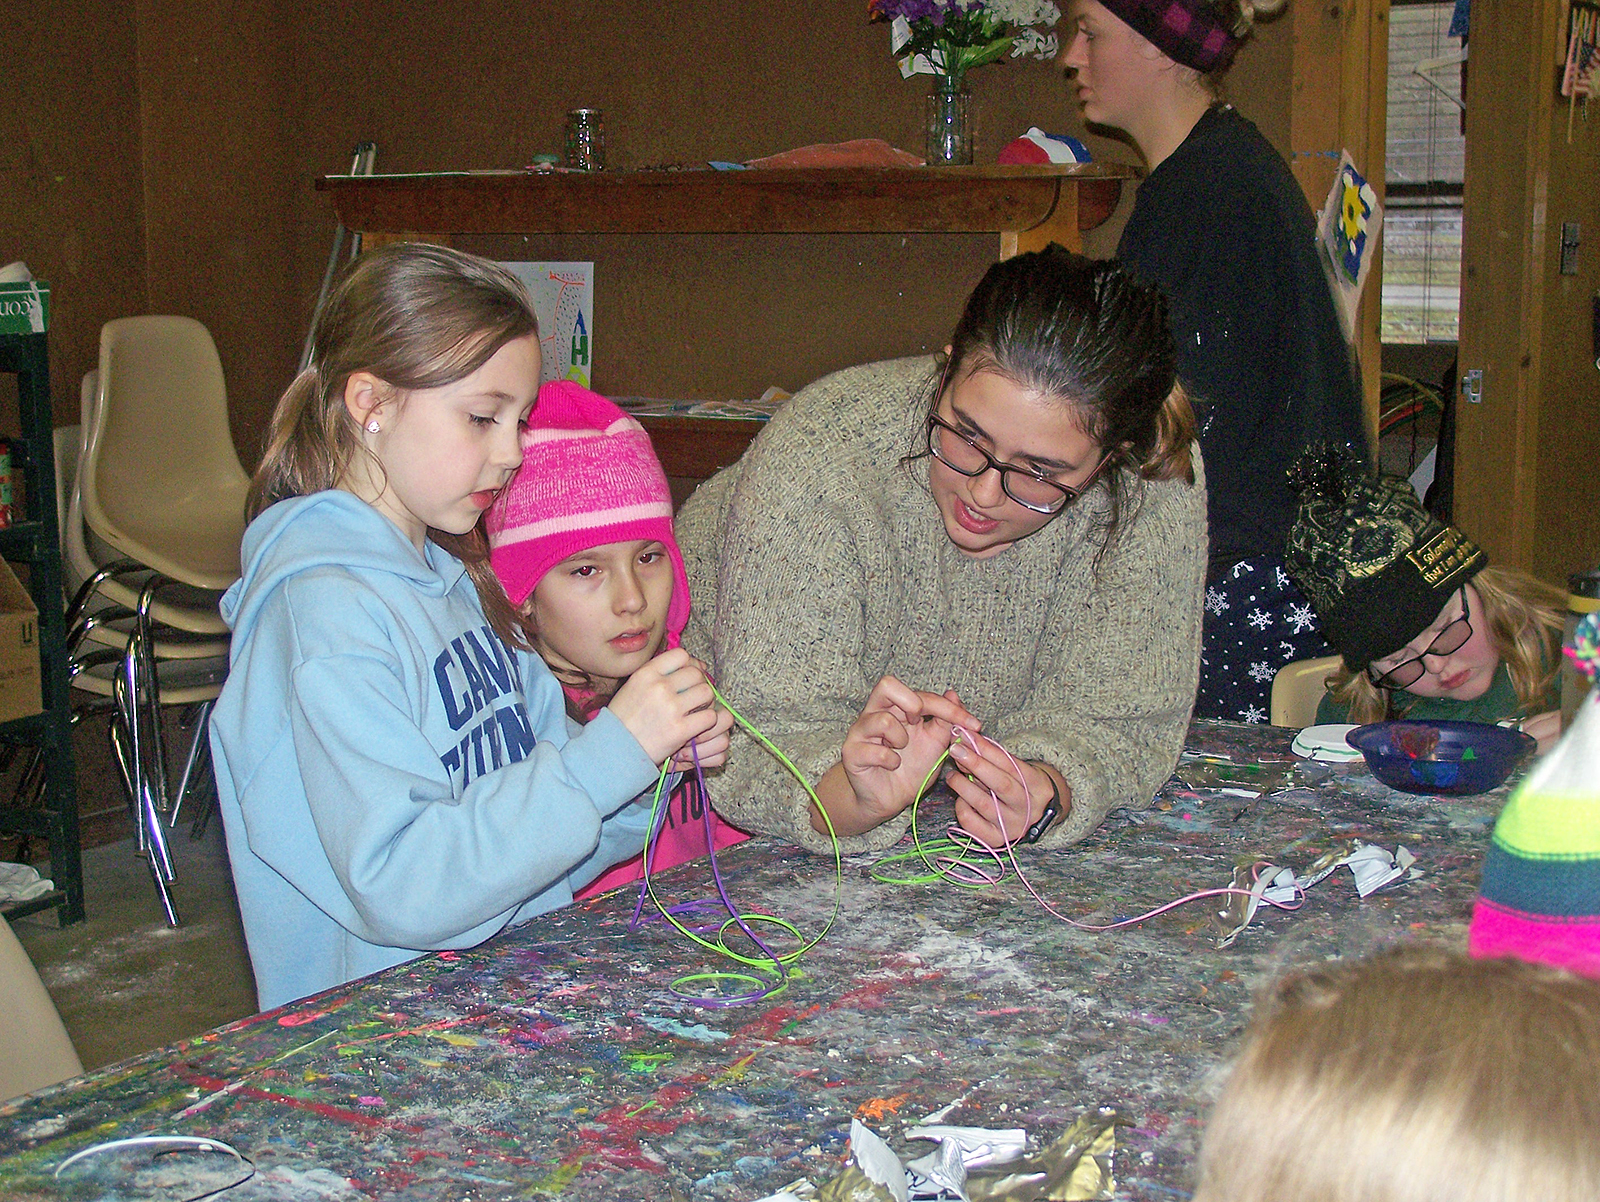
<point x="1025" y="12"/>
<point x="1260" y="619"/>
<point x="1031" y="41"/>
<point x="1301" y="618"/>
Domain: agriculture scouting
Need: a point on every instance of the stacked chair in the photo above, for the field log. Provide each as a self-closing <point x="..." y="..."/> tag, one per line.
<point x="151" y="532"/>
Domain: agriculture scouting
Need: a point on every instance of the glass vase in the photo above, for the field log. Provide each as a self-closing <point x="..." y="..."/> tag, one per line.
<point x="949" y="123"/>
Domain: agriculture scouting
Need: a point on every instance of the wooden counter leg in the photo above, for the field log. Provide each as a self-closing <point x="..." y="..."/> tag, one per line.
<point x="1060" y="225"/>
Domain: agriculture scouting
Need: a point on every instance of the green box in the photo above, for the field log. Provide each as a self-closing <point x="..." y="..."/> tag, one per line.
<point x="25" y="308"/>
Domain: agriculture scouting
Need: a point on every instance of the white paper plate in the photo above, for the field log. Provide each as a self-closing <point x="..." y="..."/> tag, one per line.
<point x="1326" y="743"/>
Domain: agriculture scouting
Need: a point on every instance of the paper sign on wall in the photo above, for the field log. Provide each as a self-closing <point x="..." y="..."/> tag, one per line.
<point x="563" y="298"/>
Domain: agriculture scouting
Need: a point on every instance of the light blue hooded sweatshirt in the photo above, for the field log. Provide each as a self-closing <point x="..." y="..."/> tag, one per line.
<point x="392" y="776"/>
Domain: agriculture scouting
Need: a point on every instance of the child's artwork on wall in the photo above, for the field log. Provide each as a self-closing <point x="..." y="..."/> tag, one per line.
<point x="1347" y="232"/>
<point x="563" y="298"/>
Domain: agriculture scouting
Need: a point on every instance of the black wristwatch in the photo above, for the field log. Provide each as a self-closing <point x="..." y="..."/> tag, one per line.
<point x="1052" y="811"/>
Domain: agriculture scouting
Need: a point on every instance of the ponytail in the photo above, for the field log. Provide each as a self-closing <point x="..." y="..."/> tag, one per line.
<point x="1171" y="455"/>
<point x="307" y="450"/>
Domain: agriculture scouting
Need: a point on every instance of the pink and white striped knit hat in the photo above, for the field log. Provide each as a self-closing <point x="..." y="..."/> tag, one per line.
<point x="589" y="476"/>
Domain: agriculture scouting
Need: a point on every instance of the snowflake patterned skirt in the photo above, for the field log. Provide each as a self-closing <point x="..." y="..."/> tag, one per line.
<point x="1256" y="621"/>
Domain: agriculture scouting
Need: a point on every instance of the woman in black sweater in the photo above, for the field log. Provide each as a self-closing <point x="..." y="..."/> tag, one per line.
<point x="1222" y="227"/>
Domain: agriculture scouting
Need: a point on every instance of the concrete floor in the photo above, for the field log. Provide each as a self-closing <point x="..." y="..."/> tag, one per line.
<point x="124" y="981"/>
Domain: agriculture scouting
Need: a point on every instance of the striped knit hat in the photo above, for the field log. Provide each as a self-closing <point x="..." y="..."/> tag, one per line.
<point x="589" y="476"/>
<point x="1540" y="897"/>
<point x="1190" y="32"/>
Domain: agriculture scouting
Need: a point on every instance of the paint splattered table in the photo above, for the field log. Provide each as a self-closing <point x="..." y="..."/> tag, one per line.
<point x="555" y="1061"/>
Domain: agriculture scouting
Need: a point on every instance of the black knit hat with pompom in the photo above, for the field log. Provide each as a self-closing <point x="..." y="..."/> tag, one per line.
<point x="1377" y="566"/>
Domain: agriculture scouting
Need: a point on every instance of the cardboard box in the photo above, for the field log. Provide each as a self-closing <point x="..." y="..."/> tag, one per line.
<point x="19" y="649"/>
<point x="25" y="308"/>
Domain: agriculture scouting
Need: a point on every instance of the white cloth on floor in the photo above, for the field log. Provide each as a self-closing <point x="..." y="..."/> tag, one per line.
<point x="21" y="882"/>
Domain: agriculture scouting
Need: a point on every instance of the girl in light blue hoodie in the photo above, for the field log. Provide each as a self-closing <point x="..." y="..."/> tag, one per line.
<point x="395" y="767"/>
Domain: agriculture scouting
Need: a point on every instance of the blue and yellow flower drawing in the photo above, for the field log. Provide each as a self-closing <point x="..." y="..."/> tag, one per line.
<point x="1357" y="202"/>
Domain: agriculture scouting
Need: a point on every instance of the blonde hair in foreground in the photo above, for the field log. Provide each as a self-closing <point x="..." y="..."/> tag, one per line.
<point x="1414" y="1076"/>
<point x="1525" y="617"/>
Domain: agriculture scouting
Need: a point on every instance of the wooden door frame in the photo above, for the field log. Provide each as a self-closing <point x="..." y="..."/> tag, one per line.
<point x="1504" y="239"/>
<point x="1340" y="101"/>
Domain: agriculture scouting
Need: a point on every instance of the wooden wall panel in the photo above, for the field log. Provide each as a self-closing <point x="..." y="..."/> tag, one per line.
<point x="169" y="151"/>
<point x="71" y="204"/>
<point x="1565" y="533"/>
<point x="1340" y="100"/>
<point x="218" y="177"/>
<point x="1527" y="486"/>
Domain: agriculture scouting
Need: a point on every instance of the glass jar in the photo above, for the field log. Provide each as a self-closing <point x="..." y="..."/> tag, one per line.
<point x="586" y="140"/>
<point x="949" y="123"/>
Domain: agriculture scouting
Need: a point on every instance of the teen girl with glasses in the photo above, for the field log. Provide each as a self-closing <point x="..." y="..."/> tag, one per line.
<point x="1010" y="538"/>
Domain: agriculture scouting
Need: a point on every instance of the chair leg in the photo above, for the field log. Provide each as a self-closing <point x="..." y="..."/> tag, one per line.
<point x="119" y="755"/>
<point x="198" y="746"/>
<point x="151" y="697"/>
<point x="207" y="798"/>
<point x="132" y="756"/>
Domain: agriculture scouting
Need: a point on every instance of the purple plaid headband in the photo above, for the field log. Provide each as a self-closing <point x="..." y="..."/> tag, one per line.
<point x="1190" y="32"/>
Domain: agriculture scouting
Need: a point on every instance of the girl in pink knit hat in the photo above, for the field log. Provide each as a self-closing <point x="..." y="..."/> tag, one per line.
<point x="582" y="541"/>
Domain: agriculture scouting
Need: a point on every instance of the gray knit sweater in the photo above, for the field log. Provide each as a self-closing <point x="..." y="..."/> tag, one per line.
<point x="819" y="563"/>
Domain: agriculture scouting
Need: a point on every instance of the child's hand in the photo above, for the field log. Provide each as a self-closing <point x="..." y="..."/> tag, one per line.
<point x="668" y="702"/>
<point x="982" y="768"/>
<point x="894" y="743"/>
<point x="1545" y="727"/>
<point x="710" y="748"/>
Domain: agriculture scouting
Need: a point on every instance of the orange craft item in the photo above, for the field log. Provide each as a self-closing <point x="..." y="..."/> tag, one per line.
<point x="862" y="152"/>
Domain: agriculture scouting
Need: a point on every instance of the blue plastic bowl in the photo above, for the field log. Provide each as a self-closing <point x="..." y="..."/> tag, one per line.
<point x="1469" y="757"/>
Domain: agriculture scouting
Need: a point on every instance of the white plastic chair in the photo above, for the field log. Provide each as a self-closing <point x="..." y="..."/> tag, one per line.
<point x="35" y="1050"/>
<point x="1297" y="690"/>
<point x="162" y="483"/>
<point x="160" y="486"/>
<point x="189" y="668"/>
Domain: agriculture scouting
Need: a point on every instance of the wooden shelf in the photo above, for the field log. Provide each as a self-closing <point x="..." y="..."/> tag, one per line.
<point x="32" y="540"/>
<point x="1016" y="200"/>
<point x="1028" y="206"/>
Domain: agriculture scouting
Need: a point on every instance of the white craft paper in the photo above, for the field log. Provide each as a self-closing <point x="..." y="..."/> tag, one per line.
<point x="1372" y="866"/>
<point x="939" y="1174"/>
<point x="877" y="1160"/>
<point x="979" y="1145"/>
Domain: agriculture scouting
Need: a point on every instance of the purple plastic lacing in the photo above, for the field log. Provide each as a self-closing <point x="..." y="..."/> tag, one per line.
<point x="722" y="900"/>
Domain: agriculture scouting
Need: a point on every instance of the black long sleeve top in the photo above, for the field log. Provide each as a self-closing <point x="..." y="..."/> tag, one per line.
<point x="1222" y="227"/>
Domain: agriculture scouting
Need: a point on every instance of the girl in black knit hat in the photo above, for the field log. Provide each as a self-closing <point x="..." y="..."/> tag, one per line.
<point x="1427" y="628"/>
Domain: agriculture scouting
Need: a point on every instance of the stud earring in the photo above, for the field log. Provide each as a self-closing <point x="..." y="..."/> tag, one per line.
<point x="373" y="427"/>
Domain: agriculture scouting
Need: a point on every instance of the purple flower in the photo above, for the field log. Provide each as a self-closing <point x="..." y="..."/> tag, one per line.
<point x="911" y="10"/>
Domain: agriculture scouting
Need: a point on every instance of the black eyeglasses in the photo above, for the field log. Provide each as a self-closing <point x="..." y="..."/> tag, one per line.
<point x="1407" y="672"/>
<point x="1023" y="485"/>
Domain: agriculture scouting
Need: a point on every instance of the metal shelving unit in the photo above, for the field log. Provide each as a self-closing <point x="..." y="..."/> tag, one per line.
<point x="33" y="540"/>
